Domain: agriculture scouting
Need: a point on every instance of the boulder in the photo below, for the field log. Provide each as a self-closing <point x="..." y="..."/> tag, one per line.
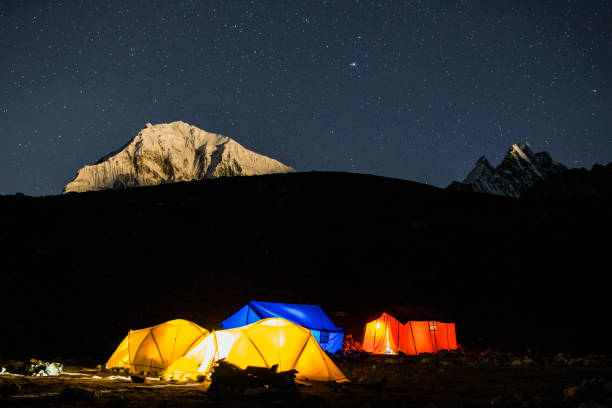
<point x="575" y="391"/>
<point x="252" y="381"/>
<point x="40" y="368"/>
<point x="79" y="394"/>
<point x="9" y="387"/>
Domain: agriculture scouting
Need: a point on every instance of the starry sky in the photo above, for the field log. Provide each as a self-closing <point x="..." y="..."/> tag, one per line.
<point x="416" y="90"/>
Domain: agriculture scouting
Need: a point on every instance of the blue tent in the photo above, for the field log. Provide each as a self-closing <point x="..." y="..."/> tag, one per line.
<point x="310" y="316"/>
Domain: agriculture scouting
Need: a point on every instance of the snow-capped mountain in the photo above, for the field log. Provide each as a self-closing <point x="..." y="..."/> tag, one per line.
<point x="519" y="170"/>
<point x="172" y="152"/>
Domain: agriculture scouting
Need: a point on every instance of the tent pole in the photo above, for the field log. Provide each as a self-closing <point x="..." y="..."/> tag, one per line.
<point x="398" y="337"/>
<point x="434" y="343"/>
<point x="413" y="340"/>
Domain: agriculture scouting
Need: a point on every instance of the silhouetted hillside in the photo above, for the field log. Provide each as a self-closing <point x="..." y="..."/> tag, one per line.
<point x="79" y="270"/>
<point x="575" y="182"/>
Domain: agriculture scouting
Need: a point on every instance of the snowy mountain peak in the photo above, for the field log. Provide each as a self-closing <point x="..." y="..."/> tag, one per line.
<point x="172" y="152"/>
<point x="521" y="151"/>
<point x="519" y="170"/>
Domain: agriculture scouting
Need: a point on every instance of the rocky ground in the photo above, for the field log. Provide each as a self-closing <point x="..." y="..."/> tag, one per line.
<point x="488" y="378"/>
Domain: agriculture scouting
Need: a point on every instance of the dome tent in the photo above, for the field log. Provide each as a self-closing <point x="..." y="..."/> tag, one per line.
<point x="261" y="344"/>
<point x="327" y="334"/>
<point x="150" y="351"/>
<point x="410" y="330"/>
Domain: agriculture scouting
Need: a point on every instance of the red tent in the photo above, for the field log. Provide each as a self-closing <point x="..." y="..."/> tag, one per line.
<point x="409" y="329"/>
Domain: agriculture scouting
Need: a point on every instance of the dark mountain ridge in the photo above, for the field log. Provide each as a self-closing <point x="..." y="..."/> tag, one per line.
<point x="79" y="270"/>
<point x="575" y="182"/>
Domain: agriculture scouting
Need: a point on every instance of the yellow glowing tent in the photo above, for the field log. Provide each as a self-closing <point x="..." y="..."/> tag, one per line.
<point x="150" y="351"/>
<point x="261" y="344"/>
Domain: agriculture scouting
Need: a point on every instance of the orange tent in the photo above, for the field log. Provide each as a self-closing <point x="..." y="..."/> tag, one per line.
<point x="409" y="329"/>
<point x="265" y="343"/>
<point x="150" y="351"/>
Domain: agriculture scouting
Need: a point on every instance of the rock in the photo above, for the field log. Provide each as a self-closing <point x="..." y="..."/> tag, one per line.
<point x="375" y="382"/>
<point x="228" y="378"/>
<point x="497" y="401"/>
<point x="9" y="387"/>
<point x="54" y="369"/>
<point x="252" y="392"/>
<point x="516" y="363"/>
<point x="79" y="394"/>
<point x="573" y="392"/>
<point x="527" y="361"/>
<point x="40" y="368"/>
<point x="115" y="402"/>
<point x="16" y="367"/>
<point x="137" y="379"/>
<point x="425" y="360"/>
<point x="468" y="403"/>
<point x="309" y="401"/>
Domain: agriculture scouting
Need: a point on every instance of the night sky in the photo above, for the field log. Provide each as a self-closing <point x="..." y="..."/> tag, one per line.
<point x="411" y="89"/>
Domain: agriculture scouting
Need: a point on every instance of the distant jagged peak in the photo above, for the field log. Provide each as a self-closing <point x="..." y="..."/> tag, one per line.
<point x="481" y="168"/>
<point x="517" y="172"/>
<point x="521" y="151"/>
<point x="483" y="161"/>
<point x="172" y="152"/>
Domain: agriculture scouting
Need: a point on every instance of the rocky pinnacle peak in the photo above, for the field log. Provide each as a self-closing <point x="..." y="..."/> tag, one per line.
<point x="482" y="160"/>
<point x="520" y="151"/>
<point x="519" y="170"/>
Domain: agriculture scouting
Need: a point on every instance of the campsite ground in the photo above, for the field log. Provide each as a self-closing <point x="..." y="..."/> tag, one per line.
<point x="479" y="380"/>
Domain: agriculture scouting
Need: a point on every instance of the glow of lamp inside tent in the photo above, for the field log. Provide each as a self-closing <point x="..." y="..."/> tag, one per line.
<point x="377" y="325"/>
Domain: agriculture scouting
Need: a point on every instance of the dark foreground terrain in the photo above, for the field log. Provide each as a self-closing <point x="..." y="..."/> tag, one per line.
<point x="480" y="380"/>
<point x="80" y="270"/>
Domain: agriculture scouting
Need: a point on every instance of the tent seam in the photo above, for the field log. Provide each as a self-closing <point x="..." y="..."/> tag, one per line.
<point x="301" y="351"/>
<point x="195" y="341"/>
<point x="137" y="349"/>
<point x="256" y="348"/>
<point x="158" y="350"/>
<point x="413" y="340"/>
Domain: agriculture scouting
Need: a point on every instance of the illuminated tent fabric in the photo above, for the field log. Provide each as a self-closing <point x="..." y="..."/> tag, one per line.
<point x="152" y="350"/>
<point x="327" y="334"/>
<point x="411" y="330"/>
<point x="261" y="344"/>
